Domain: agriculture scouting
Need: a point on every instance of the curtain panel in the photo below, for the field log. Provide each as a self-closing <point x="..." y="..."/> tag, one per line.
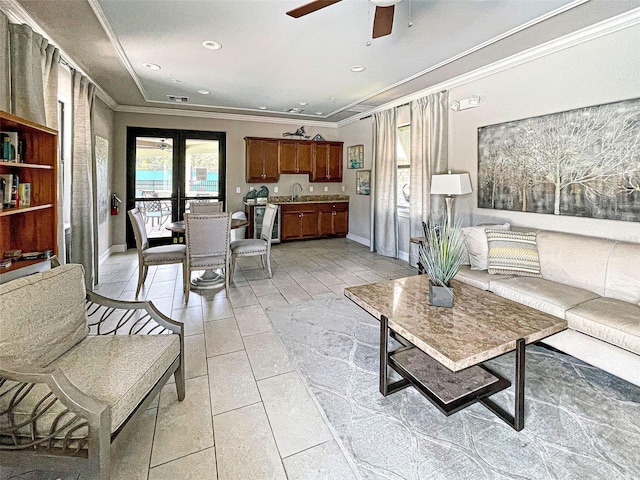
<point x="34" y="76"/>
<point x="83" y="239"/>
<point x="385" y="217"/>
<point x="429" y="156"/>
<point x="5" y="90"/>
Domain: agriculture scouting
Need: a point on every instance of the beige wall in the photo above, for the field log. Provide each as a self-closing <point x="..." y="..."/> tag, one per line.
<point x="600" y="71"/>
<point x="235" y="155"/>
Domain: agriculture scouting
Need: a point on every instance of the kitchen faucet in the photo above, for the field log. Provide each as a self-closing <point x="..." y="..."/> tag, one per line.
<point x="294" y="195"/>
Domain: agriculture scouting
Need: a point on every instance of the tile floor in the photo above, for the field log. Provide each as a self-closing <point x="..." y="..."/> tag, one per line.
<point x="247" y="414"/>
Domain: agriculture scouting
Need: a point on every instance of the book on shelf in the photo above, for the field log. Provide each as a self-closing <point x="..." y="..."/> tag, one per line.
<point x="5" y="262"/>
<point x="7" y="181"/>
<point x="24" y="194"/>
<point x="10" y="150"/>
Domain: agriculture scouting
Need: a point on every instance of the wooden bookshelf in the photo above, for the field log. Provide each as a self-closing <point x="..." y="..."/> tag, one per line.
<point x="31" y="228"/>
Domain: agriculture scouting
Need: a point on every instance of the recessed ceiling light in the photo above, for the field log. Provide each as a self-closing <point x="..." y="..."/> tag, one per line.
<point x="204" y="92"/>
<point x="211" y="45"/>
<point x="262" y="107"/>
<point x="303" y="103"/>
<point x="175" y="80"/>
<point x="358" y="68"/>
<point x="319" y="113"/>
<point x="152" y="66"/>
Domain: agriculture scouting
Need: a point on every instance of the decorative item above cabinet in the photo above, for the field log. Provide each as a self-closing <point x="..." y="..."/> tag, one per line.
<point x="267" y="158"/>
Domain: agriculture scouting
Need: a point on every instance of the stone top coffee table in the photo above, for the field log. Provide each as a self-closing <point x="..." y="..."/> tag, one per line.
<point x="444" y="347"/>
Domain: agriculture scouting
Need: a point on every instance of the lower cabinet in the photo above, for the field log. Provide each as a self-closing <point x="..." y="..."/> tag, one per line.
<point x="313" y="220"/>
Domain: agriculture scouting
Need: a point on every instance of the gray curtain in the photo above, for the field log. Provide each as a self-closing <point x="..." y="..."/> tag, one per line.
<point x="429" y="155"/>
<point x="5" y="91"/>
<point x="34" y="76"/>
<point x="83" y="240"/>
<point x="385" y="218"/>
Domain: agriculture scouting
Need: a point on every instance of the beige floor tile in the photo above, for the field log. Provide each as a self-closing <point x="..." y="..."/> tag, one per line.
<point x="192" y="319"/>
<point x="222" y="336"/>
<point x="294" y="417"/>
<point x="231" y="382"/>
<point x="252" y="320"/>
<point x="282" y="278"/>
<point x="312" y="286"/>
<point x="197" y="466"/>
<point x="276" y="300"/>
<point x="216" y="309"/>
<point x="263" y="287"/>
<point x="183" y="427"/>
<point x="242" y="296"/>
<point x="266" y="355"/>
<point x="133" y="448"/>
<point x="160" y="289"/>
<point x="195" y="356"/>
<point x="294" y="293"/>
<point x="245" y="447"/>
<point x="322" y="462"/>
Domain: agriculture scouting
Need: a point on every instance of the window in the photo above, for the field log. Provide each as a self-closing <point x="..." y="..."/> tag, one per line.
<point x="403" y="162"/>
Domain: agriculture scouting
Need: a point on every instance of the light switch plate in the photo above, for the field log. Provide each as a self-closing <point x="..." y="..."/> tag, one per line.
<point x="275" y="189"/>
<point x="326" y="189"/>
<point x="311" y="189"/>
<point x="343" y="188"/>
<point x="238" y="190"/>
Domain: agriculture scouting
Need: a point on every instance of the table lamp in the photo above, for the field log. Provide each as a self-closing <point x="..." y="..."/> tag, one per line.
<point x="450" y="184"/>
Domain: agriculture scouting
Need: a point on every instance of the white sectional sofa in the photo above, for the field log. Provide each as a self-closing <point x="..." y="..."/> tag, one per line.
<point x="594" y="284"/>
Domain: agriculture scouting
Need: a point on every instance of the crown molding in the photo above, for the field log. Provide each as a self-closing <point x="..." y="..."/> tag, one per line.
<point x="606" y="27"/>
<point x="221" y="116"/>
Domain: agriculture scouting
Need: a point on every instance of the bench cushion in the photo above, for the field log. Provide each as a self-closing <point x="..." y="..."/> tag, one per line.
<point x="118" y="370"/>
<point x="550" y="297"/>
<point x="623" y="275"/>
<point x="610" y="320"/>
<point x="42" y="316"/>
<point x="477" y="278"/>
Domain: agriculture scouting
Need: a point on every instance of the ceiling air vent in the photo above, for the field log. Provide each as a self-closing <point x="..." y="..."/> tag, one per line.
<point x="177" y="99"/>
<point x="293" y="110"/>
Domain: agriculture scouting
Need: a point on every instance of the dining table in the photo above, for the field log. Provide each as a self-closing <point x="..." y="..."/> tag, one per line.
<point x="210" y="278"/>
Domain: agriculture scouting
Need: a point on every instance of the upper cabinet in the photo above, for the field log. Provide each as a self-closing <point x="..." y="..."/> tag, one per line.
<point x="327" y="162"/>
<point x="295" y="156"/>
<point x="262" y="160"/>
<point x="267" y="158"/>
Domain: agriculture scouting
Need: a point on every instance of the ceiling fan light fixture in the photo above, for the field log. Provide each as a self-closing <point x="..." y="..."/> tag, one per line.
<point x="151" y="66"/>
<point x="212" y="45"/>
<point x="358" y="68"/>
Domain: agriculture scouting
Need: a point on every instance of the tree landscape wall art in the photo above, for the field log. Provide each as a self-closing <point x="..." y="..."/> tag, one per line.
<point x="583" y="162"/>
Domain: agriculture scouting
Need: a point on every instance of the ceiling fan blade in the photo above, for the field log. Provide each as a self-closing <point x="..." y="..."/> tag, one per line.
<point x="310" y="7"/>
<point x="383" y="21"/>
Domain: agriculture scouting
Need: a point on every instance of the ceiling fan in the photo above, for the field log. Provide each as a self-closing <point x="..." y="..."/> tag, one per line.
<point x="382" y="21"/>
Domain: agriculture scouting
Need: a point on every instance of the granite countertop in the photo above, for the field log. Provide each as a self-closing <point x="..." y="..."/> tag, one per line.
<point x="480" y="326"/>
<point x="309" y="199"/>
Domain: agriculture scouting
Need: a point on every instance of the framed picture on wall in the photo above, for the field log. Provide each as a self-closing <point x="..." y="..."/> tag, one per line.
<point x="363" y="182"/>
<point x="355" y="156"/>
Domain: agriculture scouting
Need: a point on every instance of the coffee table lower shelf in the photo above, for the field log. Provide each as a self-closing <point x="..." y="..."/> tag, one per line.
<point x="449" y="391"/>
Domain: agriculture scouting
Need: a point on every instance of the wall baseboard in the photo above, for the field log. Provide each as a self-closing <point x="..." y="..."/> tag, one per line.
<point x="117" y="248"/>
<point x="357" y="238"/>
<point x="403" y="256"/>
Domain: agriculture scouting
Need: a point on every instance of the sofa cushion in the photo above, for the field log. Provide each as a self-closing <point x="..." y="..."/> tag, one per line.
<point x="549" y="297"/>
<point x="117" y="369"/>
<point x="513" y="253"/>
<point x="623" y="275"/>
<point x="574" y="260"/>
<point x="614" y="321"/>
<point x="42" y="316"/>
<point x="477" y="278"/>
<point x="475" y="239"/>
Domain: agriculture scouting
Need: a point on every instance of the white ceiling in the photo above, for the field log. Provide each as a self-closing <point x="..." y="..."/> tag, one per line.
<point x="270" y="59"/>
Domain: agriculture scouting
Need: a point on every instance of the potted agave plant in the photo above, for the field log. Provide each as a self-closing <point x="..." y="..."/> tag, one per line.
<point x="440" y="255"/>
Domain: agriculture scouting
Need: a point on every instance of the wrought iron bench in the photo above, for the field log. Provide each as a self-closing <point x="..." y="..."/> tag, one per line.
<point x="75" y="368"/>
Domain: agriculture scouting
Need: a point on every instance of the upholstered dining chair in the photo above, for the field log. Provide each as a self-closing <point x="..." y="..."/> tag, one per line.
<point x="206" y="208"/>
<point x="207" y="238"/>
<point x="148" y="256"/>
<point x="257" y="246"/>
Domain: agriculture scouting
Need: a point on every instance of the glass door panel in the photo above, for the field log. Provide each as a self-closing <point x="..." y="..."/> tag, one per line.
<point x="154" y="183"/>
<point x="202" y="171"/>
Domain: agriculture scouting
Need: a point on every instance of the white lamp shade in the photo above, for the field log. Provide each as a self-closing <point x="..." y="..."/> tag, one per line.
<point x="451" y="184"/>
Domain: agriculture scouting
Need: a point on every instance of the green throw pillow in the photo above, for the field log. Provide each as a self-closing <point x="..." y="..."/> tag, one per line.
<point x="513" y="253"/>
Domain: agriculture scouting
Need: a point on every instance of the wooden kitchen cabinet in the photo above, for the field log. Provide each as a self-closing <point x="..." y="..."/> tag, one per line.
<point x="333" y="219"/>
<point x="299" y="221"/>
<point x="327" y="162"/>
<point x="295" y="156"/>
<point x="262" y="162"/>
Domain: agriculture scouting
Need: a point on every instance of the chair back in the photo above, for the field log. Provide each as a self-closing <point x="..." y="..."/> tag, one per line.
<point x="139" y="230"/>
<point x="267" y="222"/>
<point x="206" y="208"/>
<point x="207" y="235"/>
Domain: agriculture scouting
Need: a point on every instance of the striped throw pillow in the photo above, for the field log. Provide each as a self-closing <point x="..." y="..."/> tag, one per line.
<point x="513" y="253"/>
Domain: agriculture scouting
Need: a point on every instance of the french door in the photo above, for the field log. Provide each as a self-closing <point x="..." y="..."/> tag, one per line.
<point x="166" y="170"/>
